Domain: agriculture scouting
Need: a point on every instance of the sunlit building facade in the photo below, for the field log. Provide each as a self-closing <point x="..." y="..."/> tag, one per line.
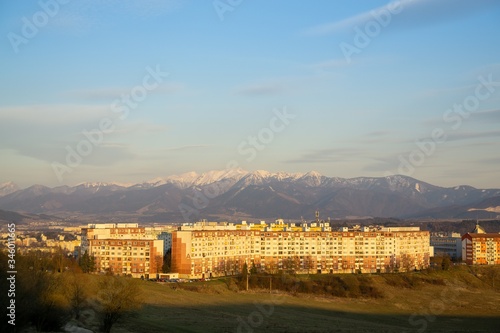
<point x="124" y="249"/>
<point x="209" y="249"/>
<point x="481" y="248"/>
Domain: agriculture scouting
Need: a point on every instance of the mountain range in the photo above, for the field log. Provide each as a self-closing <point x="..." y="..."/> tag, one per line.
<point x="239" y="194"/>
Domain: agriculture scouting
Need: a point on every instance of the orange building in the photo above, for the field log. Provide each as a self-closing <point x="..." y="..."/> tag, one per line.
<point x="206" y="250"/>
<point x="481" y="248"/>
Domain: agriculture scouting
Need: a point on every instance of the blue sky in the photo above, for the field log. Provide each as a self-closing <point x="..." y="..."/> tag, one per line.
<point x="368" y="88"/>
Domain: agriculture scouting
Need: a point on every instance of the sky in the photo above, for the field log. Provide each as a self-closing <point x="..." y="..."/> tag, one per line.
<point x="127" y="91"/>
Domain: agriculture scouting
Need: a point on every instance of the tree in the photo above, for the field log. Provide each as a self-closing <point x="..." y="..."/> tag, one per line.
<point x="39" y="293"/>
<point x="60" y="261"/>
<point x="406" y="262"/>
<point x="167" y="262"/>
<point x="309" y="264"/>
<point x="87" y="262"/>
<point x="156" y="265"/>
<point x="492" y="274"/>
<point x="117" y="296"/>
<point x="253" y="269"/>
<point x="445" y="264"/>
<point x="244" y="276"/>
<point x="77" y="292"/>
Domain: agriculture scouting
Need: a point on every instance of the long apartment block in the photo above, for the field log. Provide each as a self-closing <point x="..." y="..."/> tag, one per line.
<point x="210" y="249"/>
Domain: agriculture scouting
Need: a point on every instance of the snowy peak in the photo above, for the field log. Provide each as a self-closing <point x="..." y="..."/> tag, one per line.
<point x="213" y="176"/>
<point x="97" y="184"/>
<point x="189" y="179"/>
<point x="8" y="188"/>
<point x="259" y="194"/>
<point x="260" y="177"/>
<point x="312" y="178"/>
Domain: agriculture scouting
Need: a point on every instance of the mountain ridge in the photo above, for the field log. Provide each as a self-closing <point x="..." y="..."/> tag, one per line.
<point x="259" y="194"/>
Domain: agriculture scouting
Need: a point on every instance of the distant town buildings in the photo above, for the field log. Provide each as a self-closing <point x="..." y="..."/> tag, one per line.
<point x="481" y="248"/>
<point x="126" y="248"/>
<point x="448" y="244"/>
<point x="208" y="249"/>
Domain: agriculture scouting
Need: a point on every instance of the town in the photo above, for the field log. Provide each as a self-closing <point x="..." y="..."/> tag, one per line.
<point x="204" y="249"/>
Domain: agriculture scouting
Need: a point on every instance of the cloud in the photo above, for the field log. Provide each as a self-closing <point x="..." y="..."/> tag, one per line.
<point x="330" y="64"/>
<point x="327" y="155"/>
<point x="167" y="153"/>
<point x="411" y="13"/>
<point x="44" y="132"/>
<point x="382" y="167"/>
<point x="53" y="114"/>
<point x="139" y="128"/>
<point x="495" y="161"/>
<point x="487" y="116"/>
<point x="109" y="94"/>
<point x="187" y="147"/>
<point x="472" y="135"/>
<point x="109" y="153"/>
<point x="381" y="137"/>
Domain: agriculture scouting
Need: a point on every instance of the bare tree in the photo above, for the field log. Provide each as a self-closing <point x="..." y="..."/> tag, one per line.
<point x="309" y="264"/>
<point x="406" y="262"/>
<point x="156" y="265"/>
<point x="117" y="296"/>
<point x="77" y="292"/>
<point x="492" y="274"/>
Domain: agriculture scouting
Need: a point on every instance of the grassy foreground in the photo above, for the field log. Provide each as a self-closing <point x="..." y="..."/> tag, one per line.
<point x="466" y="302"/>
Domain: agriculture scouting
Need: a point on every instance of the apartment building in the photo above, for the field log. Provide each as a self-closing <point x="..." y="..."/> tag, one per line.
<point x="124" y="248"/>
<point x="207" y="249"/>
<point x="447" y="243"/>
<point x="481" y="248"/>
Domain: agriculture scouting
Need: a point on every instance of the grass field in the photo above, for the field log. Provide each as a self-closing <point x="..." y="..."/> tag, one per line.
<point x="465" y="304"/>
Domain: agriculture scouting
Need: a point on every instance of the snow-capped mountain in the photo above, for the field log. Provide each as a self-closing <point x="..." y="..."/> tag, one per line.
<point x="8" y="188"/>
<point x="189" y="179"/>
<point x="102" y="184"/>
<point x="259" y="194"/>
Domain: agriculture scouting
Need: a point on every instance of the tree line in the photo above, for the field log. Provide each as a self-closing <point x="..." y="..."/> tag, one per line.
<point x="53" y="289"/>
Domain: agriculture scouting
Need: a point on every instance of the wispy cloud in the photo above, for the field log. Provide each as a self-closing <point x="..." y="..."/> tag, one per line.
<point x="53" y="114"/>
<point x="327" y="155"/>
<point x="109" y="94"/>
<point x="487" y="116"/>
<point x="187" y="147"/>
<point x="491" y="161"/>
<point x="381" y="137"/>
<point x="44" y="132"/>
<point x="330" y="64"/>
<point x="413" y="13"/>
<point x="168" y="152"/>
<point x="473" y="135"/>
